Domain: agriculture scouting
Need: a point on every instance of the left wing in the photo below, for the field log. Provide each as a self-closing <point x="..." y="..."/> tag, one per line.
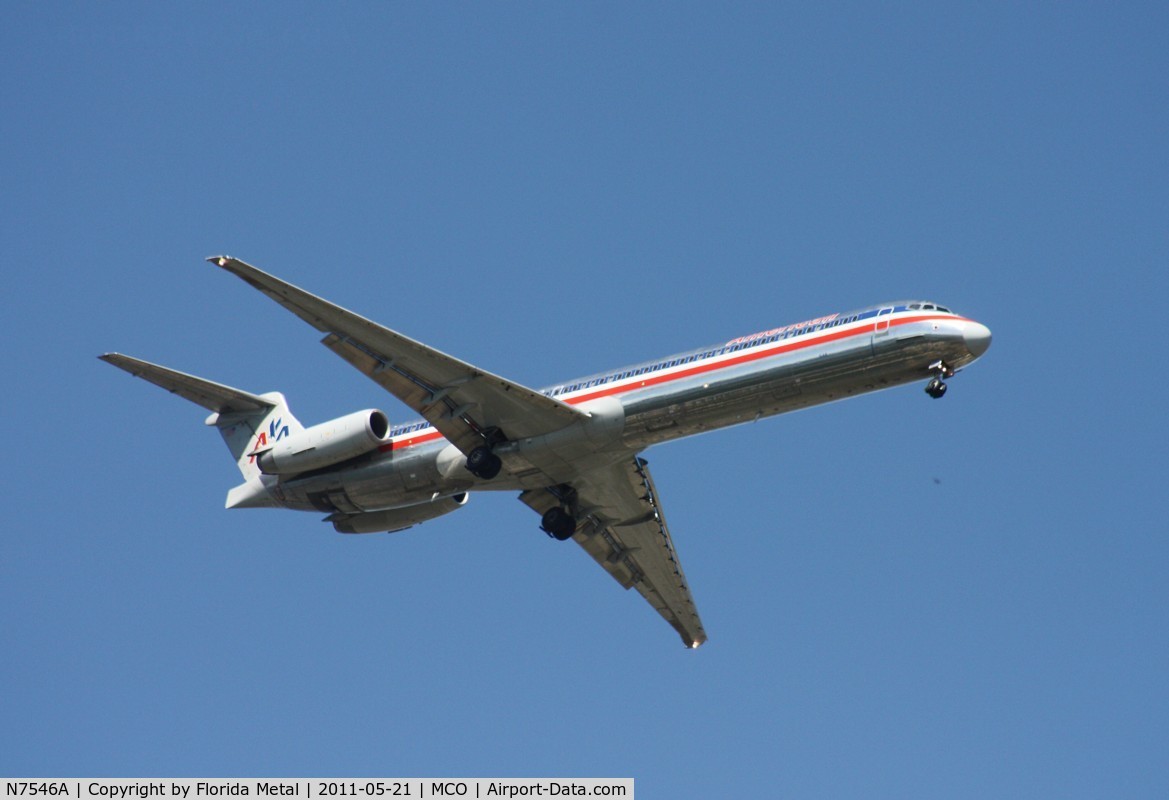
<point x="624" y="529"/>
<point x="467" y="405"/>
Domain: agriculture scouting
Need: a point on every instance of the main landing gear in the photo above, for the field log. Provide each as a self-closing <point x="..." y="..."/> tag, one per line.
<point x="482" y="463"/>
<point x="936" y="387"/>
<point x="558" y="524"/>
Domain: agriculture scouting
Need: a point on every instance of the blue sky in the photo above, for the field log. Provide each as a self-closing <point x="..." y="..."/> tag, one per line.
<point x="963" y="598"/>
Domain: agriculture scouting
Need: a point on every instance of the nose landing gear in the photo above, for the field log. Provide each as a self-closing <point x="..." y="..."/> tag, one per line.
<point x="937" y="387"/>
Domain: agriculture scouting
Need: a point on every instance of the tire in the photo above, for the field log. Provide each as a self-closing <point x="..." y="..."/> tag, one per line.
<point x="482" y="463"/>
<point x="558" y="524"/>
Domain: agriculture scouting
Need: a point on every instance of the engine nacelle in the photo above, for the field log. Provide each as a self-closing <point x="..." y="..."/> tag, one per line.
<point x="326" y="444"/>
<point x="397" y="519"/>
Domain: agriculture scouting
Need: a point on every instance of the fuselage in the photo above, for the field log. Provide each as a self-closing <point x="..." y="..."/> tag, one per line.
<point x="571" y="452"/>
<point x="766" y="373"/>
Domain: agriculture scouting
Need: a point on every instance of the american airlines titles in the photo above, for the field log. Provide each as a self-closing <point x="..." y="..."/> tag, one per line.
<point x="777" y="331"/>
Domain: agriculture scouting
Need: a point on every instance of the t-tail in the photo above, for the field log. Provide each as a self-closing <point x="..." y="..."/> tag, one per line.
<point x="250" y="424"/>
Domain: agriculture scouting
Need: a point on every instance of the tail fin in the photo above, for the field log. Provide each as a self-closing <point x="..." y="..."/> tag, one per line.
<point x="246" y="432"/>
<point x="247" y="422"/>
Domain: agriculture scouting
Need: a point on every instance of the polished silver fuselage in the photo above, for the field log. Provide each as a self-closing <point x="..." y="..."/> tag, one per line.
<point x="630" y="409"/>
<point x="571" y="451"/>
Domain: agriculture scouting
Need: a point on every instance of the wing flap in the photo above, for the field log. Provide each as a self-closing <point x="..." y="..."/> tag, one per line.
<point x="624" y="530"/>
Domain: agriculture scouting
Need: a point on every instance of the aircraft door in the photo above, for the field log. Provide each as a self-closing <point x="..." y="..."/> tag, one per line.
<point x="881" y="327"/>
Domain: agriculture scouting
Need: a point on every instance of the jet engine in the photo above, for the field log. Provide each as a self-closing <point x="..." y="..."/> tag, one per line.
<point x="326" y="444"/>
<point x="396" y="519"/>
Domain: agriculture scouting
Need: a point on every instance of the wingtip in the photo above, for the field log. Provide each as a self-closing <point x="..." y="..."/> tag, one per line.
<point x="123" y="362"/>
<point x="246" y="272"/>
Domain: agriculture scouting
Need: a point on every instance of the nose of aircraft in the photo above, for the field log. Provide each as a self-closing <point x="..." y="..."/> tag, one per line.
<point x="977" y="338"/>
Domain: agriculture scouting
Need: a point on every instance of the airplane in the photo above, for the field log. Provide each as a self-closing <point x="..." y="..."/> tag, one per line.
<point x="571" y="451"/>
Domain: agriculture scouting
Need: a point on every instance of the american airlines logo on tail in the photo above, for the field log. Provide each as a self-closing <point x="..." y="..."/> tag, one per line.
<point x="276" y="431"/>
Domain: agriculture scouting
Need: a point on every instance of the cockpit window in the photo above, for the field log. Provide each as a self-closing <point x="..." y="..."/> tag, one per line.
<point x="928" y="306"/>
<point x="945" y="310"/>
<point x="914" y="306"/>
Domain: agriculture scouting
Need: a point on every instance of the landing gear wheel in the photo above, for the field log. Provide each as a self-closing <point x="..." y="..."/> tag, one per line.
<point x="558" y="523"/>
<point x="482" y="463"/>
<point x="936" y="387"/>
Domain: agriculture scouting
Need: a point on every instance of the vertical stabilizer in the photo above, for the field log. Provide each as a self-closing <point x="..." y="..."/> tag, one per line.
<point x="250" y="431"/>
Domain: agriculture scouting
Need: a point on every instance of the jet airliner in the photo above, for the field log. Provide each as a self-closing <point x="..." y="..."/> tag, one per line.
<point x="570" y="451"/>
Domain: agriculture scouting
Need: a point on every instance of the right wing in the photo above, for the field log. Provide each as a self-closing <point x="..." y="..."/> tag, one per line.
<point x="467" y="405"/>
<point x="624" y="529"/>
<point x="622" y="524"/>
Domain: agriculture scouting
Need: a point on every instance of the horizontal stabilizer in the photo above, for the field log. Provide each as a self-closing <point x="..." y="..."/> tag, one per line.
<point x="212" y="396"/>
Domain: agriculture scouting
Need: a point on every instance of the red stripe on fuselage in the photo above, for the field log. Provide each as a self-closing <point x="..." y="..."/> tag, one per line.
<point x="744" y="358"/>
